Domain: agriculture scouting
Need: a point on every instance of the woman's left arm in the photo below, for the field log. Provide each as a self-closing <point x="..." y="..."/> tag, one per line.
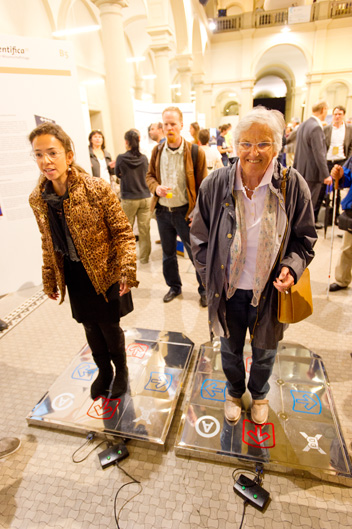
<point x="122" y="236"/>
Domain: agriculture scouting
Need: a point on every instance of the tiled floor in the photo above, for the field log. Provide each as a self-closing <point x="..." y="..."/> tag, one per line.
<point x="42" y="488"/>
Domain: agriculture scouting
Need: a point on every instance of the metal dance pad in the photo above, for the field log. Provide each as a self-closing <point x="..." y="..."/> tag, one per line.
<point x="302" y="431"/>
<point x="157" y="364"/>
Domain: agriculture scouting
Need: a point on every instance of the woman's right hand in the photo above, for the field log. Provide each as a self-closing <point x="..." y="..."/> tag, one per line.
<point x="53" y="296"/>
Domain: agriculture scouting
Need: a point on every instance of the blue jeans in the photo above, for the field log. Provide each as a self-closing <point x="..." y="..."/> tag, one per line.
<point x="171" y="224"/>
<point x="240" y="315"/>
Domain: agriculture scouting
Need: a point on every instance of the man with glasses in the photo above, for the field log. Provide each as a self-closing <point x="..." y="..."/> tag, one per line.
<point x="310" y="155"/>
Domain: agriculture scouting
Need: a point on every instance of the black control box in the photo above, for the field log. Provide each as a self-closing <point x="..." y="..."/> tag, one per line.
<point x="113" y="454"/>
<point x="252" y="492"/>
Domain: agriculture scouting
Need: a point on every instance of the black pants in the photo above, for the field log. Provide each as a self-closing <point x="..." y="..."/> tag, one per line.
<point x="107" y="342"/>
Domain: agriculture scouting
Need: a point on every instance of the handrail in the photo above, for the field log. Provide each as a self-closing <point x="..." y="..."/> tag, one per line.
<point x="279" y="17"/>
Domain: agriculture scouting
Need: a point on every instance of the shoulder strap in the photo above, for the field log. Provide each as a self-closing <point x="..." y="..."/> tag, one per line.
<point x="194" y="153"/>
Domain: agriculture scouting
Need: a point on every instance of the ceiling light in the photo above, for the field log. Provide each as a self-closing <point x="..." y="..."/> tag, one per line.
<point x="150" y="76"/>
<point x="212" y="25"/>
<point x="75" y="31"/>
<point x="135" y="59"/>
<point x="178" y="93"/>
<point x="286" y="29"/>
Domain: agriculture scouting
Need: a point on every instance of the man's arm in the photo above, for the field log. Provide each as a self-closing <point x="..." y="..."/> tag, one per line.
<point x="151" y="179"/>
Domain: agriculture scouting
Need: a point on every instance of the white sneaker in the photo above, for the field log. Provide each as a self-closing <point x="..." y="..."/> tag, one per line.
<point x="233" y="408"/>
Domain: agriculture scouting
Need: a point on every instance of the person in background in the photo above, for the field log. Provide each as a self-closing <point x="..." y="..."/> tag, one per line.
<point x="131" y="168"/>
<point x="156" y="132"/>
<point x="194" y="132"/>
<point x="88" y="247"/>
<point x="223" y="149"/>
<point x="310" y="154"/>
<point x="291" y="134"/>
<point x="173" y="178"/>
<point x="338" y="137"/>
<point x="213" y="156"/>
<point x="100" y="158"/>
<point x="343" y="269"/>
<point x="248" y="244"/>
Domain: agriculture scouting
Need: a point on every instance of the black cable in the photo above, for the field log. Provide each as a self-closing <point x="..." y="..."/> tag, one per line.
<point x="90" y="438"/>
<point x="134" y="480"/>
<point x="244" y="510"/>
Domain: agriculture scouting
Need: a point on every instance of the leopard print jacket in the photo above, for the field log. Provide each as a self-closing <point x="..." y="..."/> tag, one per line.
<point x="100" y="231"/>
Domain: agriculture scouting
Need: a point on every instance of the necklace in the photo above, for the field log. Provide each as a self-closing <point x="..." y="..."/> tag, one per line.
<point x="246" y="187"/>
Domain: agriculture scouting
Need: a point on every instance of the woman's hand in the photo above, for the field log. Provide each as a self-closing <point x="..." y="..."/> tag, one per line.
<point x="124" y="288"/>
<point x="285" y="280"/>
<point x="53" y="296"/>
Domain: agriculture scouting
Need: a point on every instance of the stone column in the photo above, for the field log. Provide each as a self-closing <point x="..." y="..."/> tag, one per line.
<point x="349" y="106"/>
<point x="247" y="86"/>
<point x="184" y="63"/>
<point x="313" y="92"/>
<point x="161" y="38"/>
<point x="118" y="82"/>
<point x="138" y="87"/>
<point x="198" y="80"/>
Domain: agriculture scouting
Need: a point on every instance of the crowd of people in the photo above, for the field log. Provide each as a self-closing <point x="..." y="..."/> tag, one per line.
<point x="247" y="223"/>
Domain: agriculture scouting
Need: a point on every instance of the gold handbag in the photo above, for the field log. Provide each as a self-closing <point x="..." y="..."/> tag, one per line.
<point x="297" y="303"/>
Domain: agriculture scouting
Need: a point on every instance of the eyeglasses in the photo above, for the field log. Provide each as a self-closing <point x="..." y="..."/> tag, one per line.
<point x="261" y="146"/>
<point x="52" y="155"/>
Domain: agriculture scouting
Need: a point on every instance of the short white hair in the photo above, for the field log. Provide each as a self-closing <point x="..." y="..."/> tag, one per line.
<point x="271" y="118"/>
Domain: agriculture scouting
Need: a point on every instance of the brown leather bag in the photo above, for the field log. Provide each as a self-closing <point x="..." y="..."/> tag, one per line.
<point x="296" y="304"/>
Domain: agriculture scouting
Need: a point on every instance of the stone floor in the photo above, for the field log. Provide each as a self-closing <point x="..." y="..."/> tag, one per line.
<point x="41" y="487"/>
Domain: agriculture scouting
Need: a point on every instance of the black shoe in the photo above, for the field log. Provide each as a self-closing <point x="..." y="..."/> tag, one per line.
<point x="101" y="384"/>
<point x="334" y="287"/>
<point x="3" y="325"/>
<point x="172" y="294"/>
<point x="203" y="300"/>
<point x="120" y="384"/>
<point x="318" y="226"/>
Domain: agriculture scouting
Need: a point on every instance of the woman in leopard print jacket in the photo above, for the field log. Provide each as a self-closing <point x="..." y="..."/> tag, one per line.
<point x="88" y="246"/>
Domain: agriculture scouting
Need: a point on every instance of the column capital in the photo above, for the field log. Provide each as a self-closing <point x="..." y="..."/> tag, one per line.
<point x="184" y="62"/>
<point x="161" y="37"/>
<point x="198" y="78"/>
<point x="107" y="6"/>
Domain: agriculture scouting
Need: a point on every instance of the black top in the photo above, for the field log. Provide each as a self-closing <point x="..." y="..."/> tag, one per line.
<point x="132" y="171"/>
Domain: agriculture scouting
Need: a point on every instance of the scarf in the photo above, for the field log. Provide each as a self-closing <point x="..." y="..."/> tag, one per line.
<point x="266" y="245"/>
<point x="60" y="233"/>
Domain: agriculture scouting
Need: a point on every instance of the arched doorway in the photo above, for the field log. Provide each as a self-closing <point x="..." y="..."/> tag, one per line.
<point x="270" y="91"/>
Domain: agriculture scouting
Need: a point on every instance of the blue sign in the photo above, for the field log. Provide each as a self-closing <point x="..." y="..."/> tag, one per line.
<point x="213" y="390"/>
<point x="84" y="371"/>
<point x="306" y="402"/>
<point x="159" y="382"/>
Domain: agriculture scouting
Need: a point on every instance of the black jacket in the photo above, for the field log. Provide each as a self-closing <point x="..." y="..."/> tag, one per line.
<point x="94" y="162"/>
<point x="132" y="171"/>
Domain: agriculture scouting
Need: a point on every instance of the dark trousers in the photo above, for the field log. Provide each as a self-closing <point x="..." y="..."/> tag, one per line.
<point x="323" y="193"/>
<point x="107" y="342"/>
<point x="171" y="224"/>
<point x="240" y="316"/>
